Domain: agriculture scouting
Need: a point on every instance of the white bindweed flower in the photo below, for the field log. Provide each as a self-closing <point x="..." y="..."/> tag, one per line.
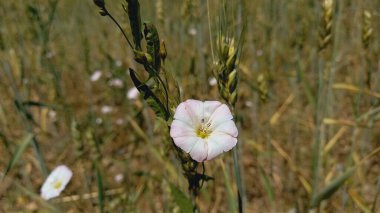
<point x="106" y="109"/>
<point x="98" y="121"/>
<point x="203" y="129"/>
<point x="120" y="121"/>
<point x="118" y="63"/>
<point x="116" y="82"/>
<point x="192" y="31"/>
<point x="96" y="75"/>
<point x="56" y="182"/>
<point x="212" y="81"/>
<point x="119" y="178"/>
<point x="133" y="93"/>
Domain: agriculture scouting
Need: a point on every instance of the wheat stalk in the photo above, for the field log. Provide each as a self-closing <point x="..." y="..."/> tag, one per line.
<point x="367" y="29"/>
<point x="326" y="25"/>
<point x="226" y="69"/>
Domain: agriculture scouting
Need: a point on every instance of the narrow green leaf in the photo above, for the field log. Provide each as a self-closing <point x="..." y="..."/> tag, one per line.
<point x="32" y="194"/>
<point x="230" y="194"/>
<point x="183" y="202"/>
<point x="37" y="104"/>
<point x="22" y="146"/>
<point x="21" y="108"/>
<point x="267" y="184"/>
<point x="99" y="180"/>
<point x="153" y="101"/>
<point x="153" y="44"/>
<point x="331" y="188"/>
<point x="133" y="11"/>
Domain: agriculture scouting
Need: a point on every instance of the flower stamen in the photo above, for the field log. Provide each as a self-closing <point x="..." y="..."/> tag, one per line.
<point x="203" y="131"/>
<point x="57" y="184"/>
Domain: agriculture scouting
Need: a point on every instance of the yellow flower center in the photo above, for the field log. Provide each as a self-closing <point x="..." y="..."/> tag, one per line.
<point x="203" y="130"/>
<point x="57" y="184"/>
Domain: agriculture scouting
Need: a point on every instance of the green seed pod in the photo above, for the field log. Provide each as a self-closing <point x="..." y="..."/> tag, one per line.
<point x="153" y="44"/>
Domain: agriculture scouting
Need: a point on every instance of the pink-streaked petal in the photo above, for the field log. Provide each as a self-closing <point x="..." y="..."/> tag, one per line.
<point x="182" y="114"/>
<point x="224" y="141"/>
<point x="185" y="143"/>
<point x="181" y="129"/>
<point x="199" y="151"/>
<point x="210" y="107"/>
<point x="220" y="115"/>
<point x="214" y="149"/>
<point x="227" y="127"/>
<point x="194" y="109"/>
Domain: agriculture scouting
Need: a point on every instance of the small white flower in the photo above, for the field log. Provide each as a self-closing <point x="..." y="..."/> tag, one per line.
<point x="203" y="129"/>
<point x="133" y="93"/>
<point x="192" y="31"/>
<point x="56" y="182"/>
<point x="106" y="109"/>
<point x="96" y="75"/>
<point x="120" y="121"/>
<point x="119" y="178"/>
<point x="212" y="81"/>
<point x="248" y="104"/>
<point x="50" y="54"/>
<point x="118" y="63"/>
<point x="53" y="115"/>
<point x="98" y="121"/>
<point x="116" y="82"/>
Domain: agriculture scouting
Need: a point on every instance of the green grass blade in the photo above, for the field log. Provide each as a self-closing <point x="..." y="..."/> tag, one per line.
<point x="230" y="195"/>
<point x="331" y="188"/>
<point x="25" y="141"/>
<point x="36" y="197"/>
<point x="267" y="185"/>
<point x="238" y="178"/>
<point x="183" y="202"/>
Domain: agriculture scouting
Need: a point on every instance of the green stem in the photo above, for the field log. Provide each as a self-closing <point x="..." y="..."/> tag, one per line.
<point x="237" y="172"/>
<point x="118" y="25"/>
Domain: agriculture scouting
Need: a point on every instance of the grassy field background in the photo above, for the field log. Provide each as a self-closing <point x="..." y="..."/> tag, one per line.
<point x="294" y="100"/>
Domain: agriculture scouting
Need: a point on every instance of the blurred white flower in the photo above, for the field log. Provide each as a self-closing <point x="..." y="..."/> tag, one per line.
<point x="106" y="109"/>
<point x="120" y="121"/>
<point x="53" y="115"/>
<point x="56" y="182"/>
<point x="192" y="31"/>
<point x="203" y="129"/>
<point x="133" y="93"/>
<point x="98" y="121"/>
<point x="212" y="81"/>
<point x="118" y="63"/>
<point x="50" y="54"/>
<point x="96" y="75"/>
<point x="248" y="104"/>
<point x="116" y="82"/>
<point x="119" y="178"/>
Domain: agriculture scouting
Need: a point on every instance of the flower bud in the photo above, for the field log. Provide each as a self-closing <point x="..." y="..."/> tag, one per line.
<point x="99" y="3"/>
